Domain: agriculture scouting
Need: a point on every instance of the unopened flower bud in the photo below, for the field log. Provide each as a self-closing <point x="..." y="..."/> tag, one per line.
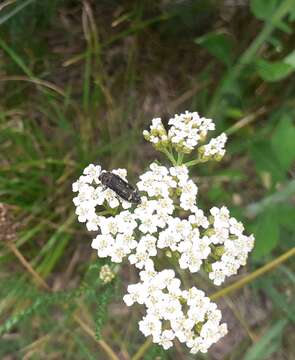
<point x="106" y="274"/>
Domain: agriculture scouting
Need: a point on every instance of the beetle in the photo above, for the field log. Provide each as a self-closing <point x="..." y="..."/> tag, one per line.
<point x="120" y="187"/>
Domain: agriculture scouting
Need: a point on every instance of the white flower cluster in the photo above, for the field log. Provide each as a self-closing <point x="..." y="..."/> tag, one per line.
<point x="217" y="241"/>
<point x="215" y="148"/>
<point x="118" y="233"/>
<point x="235" y="246"/>
<point x="167" y="221"/>
<point x="163" y="183"/>
<point x="157" y="134"/>
<point x="172" y="313"/>
<point x="186" y="132"/>
<point x="91" y="193"/>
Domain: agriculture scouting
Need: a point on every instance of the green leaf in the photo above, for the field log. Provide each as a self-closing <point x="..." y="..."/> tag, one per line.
<point x="288" y="273"/>
<point x="277" y="201"/>
<point x="279" y="300"/>
<point x="103" y="299"/>
<point x="218" y="45"/>
<point x="266" y="160"/>
<point x="266" y="231"/>
<point x="286" y="213"/>
<point x="290" y="59"/>
<point x="273" y="71"/>
<point x="269" y="343"/>
<point x="292" y="14"/>
<point x="283" y="142"/>
<point x="263" y="9"/>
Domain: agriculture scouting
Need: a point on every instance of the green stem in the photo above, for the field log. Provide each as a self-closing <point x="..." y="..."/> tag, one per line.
<point x="179" y="158"/>
<point x="143" y="348"/>
<point x="192" y="163"/>
<point x="254" y="275"/>
<point x="170" y="156"/>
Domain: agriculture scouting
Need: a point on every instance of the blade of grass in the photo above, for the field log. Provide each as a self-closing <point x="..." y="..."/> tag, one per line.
<point x="288" y="273"/>
<point x="31" y="77"/>
<point x="62" y="239"/>
<point x="88" y="58"/>
<point x="268" y="343"/>
<point x="279" y="300"/>
<point x="35" y="81"/>
<point x="52" y="257"/>
<point x="27" y="266"/>
<point x="6" y="3"/>
<point x="14" y="11"/>
<point x="102" y="343"/>
<point x="85" y="352"/>
<point x="16" y="58"/>
<point x="26" y="236"/>
<point x="44" y="285"/>
<point x="134" y="29"/>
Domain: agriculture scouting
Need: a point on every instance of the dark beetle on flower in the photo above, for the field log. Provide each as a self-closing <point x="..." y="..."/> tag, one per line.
<point x="120" y="187"/>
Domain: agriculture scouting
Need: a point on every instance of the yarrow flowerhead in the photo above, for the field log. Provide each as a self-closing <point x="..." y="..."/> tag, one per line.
<point x="186" y="132"/>
<point x="187" y="315"/>
<point x="167" y="223"/>
<point x="214" y="149"/>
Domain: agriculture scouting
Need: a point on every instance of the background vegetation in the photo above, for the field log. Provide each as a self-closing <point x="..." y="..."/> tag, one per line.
<point x="79" y="81"/>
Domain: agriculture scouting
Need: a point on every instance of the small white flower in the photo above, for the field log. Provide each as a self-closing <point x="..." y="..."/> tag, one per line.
<point x="219" y="236"/>
<point x="93" y="224"/>
<point x="136" y="294"/>
<point x="93" y="171"/>
<point x="165" y="339"/>
<point x="217" y="275"/>
<point x="168" y="238"/>
<point x="109" y="225"/>
<point x="235" y="227"/>
<point x="190" y="260"/>
<point x="221" y="217"/>
<point x="126" y="222"/>
<point x="103" y="244"/>
<point x="182" y="227"/>
<point x="150" y="325"/>
<point x="85" y="212"/>
<point x="149" y="224"/>
<point x="202" y="246"/>
<point x="77" y="185"/>
<point x="198" y="218"/>
<point x="181" y="173"/>
<point x="148" y="272"/>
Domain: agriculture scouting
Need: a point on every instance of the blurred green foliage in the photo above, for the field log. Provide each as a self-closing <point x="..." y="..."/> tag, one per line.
<point x="79" y="81"/>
